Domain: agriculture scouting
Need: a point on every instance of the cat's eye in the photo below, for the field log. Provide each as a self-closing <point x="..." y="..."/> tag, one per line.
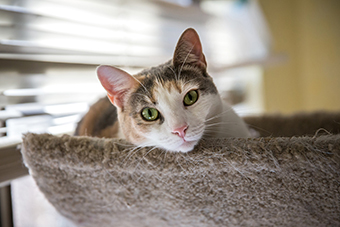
<point x="150" y="114"/>
<point x="190" y="98"/>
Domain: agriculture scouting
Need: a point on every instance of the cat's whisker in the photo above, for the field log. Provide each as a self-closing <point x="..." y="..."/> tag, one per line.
<point x="136" y="93"/>
<point x="132" y="152"/>
<point x="258" y="128"/>
<point x="166" y="152"/>
<point x="161" y="153"/>
<point x="173" y="72"/>
<point x="213" y="132"/>
<point x="179" y="163"/>
<point x="189" y="159"/>
<point x="211" y="129"/>
<point x="221" y="123"/>
<point x="220" y="134"/>
<point x="218" y="115"/>
<point x="144" y="157"/>
<point x="125" y="145"/>
<point x="189" y="81"/>
<point x="166" y="139"/>
<point x="142" y="85"/>
<point x="143" y="95"/>
<point x="158" y="80"/>
<point x="112" y="176"/>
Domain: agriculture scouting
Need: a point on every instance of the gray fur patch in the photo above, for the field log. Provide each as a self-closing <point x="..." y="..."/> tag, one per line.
<point x="164" y="73"/>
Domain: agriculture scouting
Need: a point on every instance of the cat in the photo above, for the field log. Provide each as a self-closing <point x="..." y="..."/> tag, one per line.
<point x="171" y="106"/>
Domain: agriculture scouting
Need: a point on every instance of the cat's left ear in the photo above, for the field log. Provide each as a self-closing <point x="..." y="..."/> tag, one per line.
<point x="116" y="82"/>
<point x="189" y="50"/>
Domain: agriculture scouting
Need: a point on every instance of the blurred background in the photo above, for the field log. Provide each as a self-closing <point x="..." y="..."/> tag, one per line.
<point x="265" y="56"/>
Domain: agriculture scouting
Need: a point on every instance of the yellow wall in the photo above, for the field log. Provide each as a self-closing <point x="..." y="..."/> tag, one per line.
<point x="308" y="31"/>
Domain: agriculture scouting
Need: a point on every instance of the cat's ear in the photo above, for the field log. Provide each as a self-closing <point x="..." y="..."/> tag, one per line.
<point x="189" y="50"/>
<point x="116" y="82"/>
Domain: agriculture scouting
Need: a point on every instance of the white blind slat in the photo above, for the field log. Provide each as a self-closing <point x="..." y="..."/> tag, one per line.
<point x="62" y="42"/>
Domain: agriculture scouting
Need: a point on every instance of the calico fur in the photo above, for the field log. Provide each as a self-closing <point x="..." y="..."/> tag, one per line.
<point x="179" y="127"/>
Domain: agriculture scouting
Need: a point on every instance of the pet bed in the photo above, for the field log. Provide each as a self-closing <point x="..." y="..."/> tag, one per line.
<point x="289" y="176"/>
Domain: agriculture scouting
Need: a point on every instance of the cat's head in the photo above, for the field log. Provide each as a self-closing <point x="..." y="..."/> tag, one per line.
<point x="165" y="106"/>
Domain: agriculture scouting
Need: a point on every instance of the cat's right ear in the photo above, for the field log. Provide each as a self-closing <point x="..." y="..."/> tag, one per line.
<point x="189" y="50"/>
<point x="116" y="82"/>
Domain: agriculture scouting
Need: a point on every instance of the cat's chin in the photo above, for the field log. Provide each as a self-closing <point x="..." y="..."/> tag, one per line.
<point x="186" y="146"/>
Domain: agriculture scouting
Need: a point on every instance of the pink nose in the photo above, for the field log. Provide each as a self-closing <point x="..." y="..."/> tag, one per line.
<point x="180" y="131"/>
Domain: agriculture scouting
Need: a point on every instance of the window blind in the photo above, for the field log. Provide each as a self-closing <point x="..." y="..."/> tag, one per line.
<point x="49" y="50"/>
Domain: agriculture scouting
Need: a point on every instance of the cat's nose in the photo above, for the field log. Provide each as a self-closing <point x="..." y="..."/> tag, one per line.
<point x="180" y="131"/>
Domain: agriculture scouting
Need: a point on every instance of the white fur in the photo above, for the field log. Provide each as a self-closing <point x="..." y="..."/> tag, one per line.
<point x="208" y="117"/>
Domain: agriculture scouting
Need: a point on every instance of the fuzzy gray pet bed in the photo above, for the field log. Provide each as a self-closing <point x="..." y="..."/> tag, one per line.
<point x="290" y="176"/>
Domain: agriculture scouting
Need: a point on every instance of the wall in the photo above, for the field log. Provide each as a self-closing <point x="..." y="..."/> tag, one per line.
<point x="308" y="32"/>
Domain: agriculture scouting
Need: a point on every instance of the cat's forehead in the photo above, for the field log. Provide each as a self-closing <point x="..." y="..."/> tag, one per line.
<point x="167" y="79"/>
<point x="168" y="72"/>
<point x="174" y="88"/>
<point x="157" y="90"/>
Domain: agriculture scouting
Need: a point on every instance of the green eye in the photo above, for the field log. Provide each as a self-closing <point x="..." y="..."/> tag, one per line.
<point x="150" y="114"/>
<point x="190" y="98"/>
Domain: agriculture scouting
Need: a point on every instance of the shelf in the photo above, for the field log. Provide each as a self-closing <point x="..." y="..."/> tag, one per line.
<point x="11" y="164"/>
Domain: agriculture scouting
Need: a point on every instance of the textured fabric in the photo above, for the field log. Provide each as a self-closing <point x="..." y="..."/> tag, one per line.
<point x="266" y="181"/>
<point x="315" y="123"/>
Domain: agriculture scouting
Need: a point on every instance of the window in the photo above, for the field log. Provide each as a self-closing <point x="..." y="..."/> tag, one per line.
<point x="49" y="50"/>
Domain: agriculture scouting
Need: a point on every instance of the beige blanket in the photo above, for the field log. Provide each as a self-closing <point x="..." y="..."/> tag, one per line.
<point x="265" y="181"/>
